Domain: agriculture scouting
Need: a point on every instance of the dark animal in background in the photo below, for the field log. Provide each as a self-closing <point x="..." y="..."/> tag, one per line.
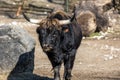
<point x="87" y="20"/>
<point x="91" y="17"/>
<point x="60" y="37"/>
<point x="113" y="4"/>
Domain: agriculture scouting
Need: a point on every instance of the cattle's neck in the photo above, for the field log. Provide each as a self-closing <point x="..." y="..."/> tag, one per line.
<point x="68" y="38"/>
<point x="49" y="38"/>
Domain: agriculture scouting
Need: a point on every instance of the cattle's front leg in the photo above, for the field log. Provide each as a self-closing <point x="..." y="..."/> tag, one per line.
<point x="57" y="73"/>
<point x="68" y="65"/>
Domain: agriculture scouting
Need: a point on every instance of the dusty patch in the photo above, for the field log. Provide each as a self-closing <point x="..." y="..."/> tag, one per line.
<point x="95" y="60"/>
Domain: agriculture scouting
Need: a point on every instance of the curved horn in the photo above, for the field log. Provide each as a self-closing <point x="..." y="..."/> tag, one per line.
<point x="63" y="22"/>
<point x="35" y="21"/>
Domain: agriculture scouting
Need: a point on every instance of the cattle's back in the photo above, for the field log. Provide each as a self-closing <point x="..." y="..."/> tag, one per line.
<point x="60" y="15"/>
<point x="78" y="33"/>
<point x="75" y="30"/>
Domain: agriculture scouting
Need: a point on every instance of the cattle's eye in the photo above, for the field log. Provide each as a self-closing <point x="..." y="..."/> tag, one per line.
<point x="54" y="35"/>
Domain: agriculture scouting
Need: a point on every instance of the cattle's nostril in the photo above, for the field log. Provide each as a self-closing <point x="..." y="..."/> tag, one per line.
<point x="45" y="45"/>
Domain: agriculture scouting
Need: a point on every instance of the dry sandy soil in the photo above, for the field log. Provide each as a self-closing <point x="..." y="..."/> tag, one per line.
<point x="95" y="60"/>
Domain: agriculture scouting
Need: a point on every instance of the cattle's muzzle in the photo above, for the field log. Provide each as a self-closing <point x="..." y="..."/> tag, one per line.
<point x="47" y="47"/>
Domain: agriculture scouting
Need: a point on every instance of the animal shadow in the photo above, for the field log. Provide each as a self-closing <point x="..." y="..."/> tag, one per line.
<point x="23" y="70"/>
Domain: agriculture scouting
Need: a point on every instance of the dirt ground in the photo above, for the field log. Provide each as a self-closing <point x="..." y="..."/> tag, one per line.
<point x="95" y="60"/>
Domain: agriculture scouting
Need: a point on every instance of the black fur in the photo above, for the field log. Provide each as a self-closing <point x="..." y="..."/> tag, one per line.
<point x="62" y="41"/>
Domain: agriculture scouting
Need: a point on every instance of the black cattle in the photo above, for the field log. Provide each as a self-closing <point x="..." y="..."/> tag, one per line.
<point x="60" y="37"/>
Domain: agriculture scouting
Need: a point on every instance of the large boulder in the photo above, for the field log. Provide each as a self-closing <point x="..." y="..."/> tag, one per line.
<point x="16" y="51"/>
<point x="94" y="21"/>
<point x="87" y="20"/>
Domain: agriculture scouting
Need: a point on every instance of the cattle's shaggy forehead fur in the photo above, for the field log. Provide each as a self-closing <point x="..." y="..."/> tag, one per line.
<point x="50" y="23"/>
<point x="52" y="20"/>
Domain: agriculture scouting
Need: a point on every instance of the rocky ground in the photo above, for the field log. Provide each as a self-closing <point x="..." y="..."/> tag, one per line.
<point x="97" y="59"/>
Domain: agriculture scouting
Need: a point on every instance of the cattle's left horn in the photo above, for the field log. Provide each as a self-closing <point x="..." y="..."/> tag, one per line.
<point x="35" y="21"/>
<point x="62" y="22"/>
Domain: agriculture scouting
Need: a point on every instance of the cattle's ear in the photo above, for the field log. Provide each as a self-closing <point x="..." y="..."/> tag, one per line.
<point x="38" y="30"/>
<point x="66" y="30"/>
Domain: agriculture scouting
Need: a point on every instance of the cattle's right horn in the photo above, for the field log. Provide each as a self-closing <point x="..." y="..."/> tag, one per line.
<point x="63" y="22"/>
<point x="35" y="21"/>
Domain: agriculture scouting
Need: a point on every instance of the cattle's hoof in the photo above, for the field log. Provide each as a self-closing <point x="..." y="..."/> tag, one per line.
<point x="67" y="78"/>
<point x="57" y="78"/>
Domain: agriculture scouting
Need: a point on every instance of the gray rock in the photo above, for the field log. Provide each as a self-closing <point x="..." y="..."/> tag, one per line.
<point x="16" y="50"/>
<point x="87" y="20"/>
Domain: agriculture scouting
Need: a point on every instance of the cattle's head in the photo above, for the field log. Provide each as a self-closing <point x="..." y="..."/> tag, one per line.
<point x="49" y="34"/>
<point x="49" y="31"/>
